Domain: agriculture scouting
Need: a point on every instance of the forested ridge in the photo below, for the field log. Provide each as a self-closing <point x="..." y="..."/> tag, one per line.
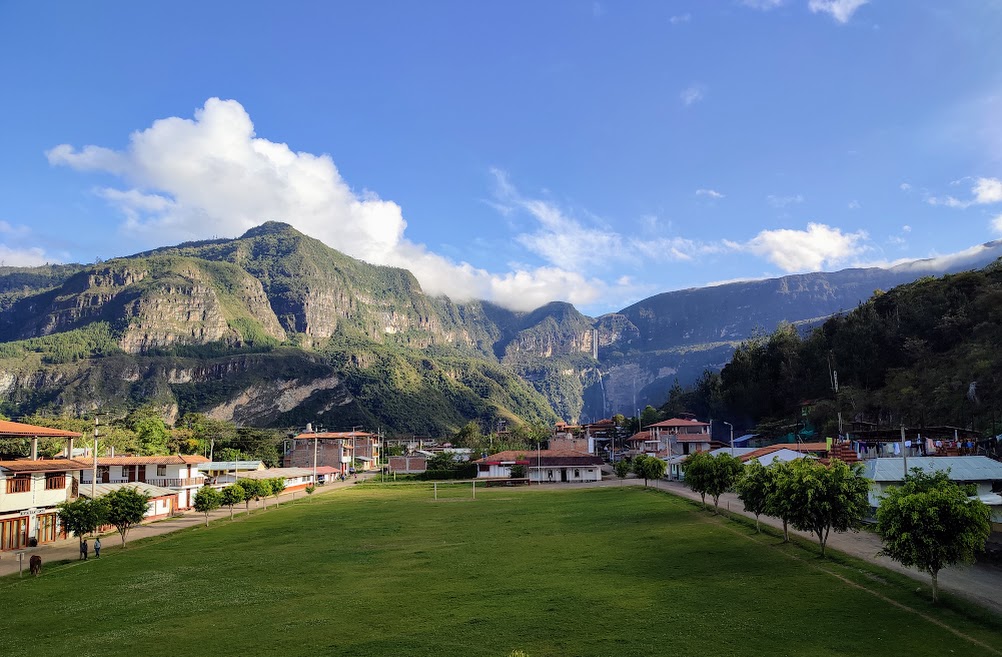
<point x="922" y="354"/>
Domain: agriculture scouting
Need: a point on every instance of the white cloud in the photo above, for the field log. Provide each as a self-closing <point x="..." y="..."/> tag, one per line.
<point x="692" y="94"/>
<point x="854" y="205"/>
<point x="30" y="257"/>
<point x="985" y="191"/>
<point x="783" y="201"/>
<point x="905" y="187"/>
<point x="710" y="193"/>
<point x="816" y="247"/>
<point x="763" y="5"/>
<point x="192" y="179"/>
<point x="997" y="224"/>
<point x="906" y="229"/>
<point x="840" y="10"/>
<point x="681" y="18"/>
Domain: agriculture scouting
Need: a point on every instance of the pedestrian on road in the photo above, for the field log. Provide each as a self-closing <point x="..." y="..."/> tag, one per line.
<point x="83" y="549"/>
<point x="97" y="547"/>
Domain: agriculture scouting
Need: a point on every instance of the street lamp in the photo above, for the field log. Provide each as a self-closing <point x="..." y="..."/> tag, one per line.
<point x="732" y="436"/>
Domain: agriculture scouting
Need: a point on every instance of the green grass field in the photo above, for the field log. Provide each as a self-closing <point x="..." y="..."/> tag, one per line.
<point x="385" y="570"/>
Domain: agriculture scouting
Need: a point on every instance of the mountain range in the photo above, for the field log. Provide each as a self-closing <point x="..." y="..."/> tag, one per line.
<point x="274" y="328"/>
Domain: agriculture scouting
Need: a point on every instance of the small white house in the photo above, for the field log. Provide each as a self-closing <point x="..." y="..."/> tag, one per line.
<point x="178" y="473"/>
<point x="163" y="502"/>
<point x="547" y="465"/>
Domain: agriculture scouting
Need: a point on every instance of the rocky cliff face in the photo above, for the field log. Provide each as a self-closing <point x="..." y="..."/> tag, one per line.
<point x="276" y="328"/>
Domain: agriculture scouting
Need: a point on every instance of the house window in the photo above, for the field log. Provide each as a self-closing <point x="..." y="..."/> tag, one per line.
<point x="55" y="481"/>
<point x="19" y="484"/>
<point x="577" y="474"/>
<point x="161" y="470"/>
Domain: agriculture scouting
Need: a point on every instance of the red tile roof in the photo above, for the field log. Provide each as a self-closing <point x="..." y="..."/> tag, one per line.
<point x="691" y="438"/>
<point x="640" y="437"/>
<point x="8" y="428"/>
<point x="175" y="459"/>
<point x="543" y="456"/>
<point x="679" y="422"/>
<point x="326" y="470"/>
<point x="45" y="465"/>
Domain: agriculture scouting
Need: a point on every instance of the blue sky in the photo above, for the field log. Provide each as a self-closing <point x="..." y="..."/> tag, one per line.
<point x="595" y="152"/>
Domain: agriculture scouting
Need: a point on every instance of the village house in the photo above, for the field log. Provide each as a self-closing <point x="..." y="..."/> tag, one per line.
<point x="32" y="488"/>
<point x="178" y="473"/>
<point x="983" y="472"/>
<point x="337" y="449"/>
<point x="222" y="473"/>
<point x="547" y="465"/>
<point x="295" y="478"/>
<point x="163" y="502"/>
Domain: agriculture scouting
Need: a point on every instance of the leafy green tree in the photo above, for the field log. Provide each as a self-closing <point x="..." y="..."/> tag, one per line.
<point x="648" y="416"/>
<point x="469" y="435"/>
<point x="310" y="490"/>
<point x="622" y="469"/>
<point x="207" y="500"/>
<point x="441" y="461"/>
<point x="753" y="489"/>
<point x="153" y="435"/>
<point x="826" y="498"/>
<point x="277" y="486"/>
<point x="779" y="498"/>
<point x="232" y="495"/>
<point x="518" y="471"/>
<point x="930" y="523"/>
<point x="127" y="507"/>
<point x="251" y="489"/>
<point x="264" y="487"/>
<point x="648" y="467"/>
<point x="83" y="516"/>
<point x="697" y="469"/>
<point x="724" y="473"/>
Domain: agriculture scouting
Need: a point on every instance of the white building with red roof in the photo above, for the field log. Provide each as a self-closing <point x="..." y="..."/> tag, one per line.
<point x="543" y="465"/>
<point x="177" y="472"/>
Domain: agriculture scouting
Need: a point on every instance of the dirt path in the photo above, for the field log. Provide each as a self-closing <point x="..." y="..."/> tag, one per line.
<point x="69" y="549"/>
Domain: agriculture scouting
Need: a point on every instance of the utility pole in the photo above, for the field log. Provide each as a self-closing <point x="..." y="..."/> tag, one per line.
<point x="314" y="458"/>
<point x="904" y="454"/>
<point x="732" y="435"/>
<point x="93" y="478"/>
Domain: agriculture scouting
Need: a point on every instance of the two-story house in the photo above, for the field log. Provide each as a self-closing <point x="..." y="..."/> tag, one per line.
<point x="30" y="491"/>
<point x="679" y="436"/>
<point x="335" y="449"/>
<point x="178" y="473"/>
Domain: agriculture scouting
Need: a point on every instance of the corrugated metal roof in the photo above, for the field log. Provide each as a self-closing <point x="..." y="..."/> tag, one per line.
<point x="961" y="468"/>
<point x="276" y="472"/>
<point x="229" y="465"/>
<point x="44" y="465"/>
<point x="103" y="489"/>
<point x="8" y="428"/>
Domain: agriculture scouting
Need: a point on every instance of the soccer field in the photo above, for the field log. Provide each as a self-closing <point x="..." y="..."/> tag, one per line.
<point x="387" y="570"/>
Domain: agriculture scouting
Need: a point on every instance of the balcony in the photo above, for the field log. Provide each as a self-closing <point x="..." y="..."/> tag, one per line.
<point x="162" y="482"/>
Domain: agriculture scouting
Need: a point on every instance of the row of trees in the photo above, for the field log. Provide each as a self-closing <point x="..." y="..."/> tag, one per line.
<point x="642" y="465"/>
<point x="123" y="508"/>
<point x="929" y="522"/>
<point x="208" y="499"/>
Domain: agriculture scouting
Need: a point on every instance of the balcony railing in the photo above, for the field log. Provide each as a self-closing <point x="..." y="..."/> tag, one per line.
<point x="162" y="482"/>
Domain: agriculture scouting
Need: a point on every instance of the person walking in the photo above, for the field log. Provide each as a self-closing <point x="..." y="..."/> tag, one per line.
<point x="97" y="547"/>
<point x="83" y="549"/>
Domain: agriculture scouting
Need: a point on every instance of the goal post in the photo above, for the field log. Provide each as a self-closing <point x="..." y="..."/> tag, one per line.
<point x="454" y="489"/>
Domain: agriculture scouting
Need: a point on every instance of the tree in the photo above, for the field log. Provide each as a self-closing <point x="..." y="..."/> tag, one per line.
<point x="648" y="467"/>
<point x="263" y="491"/>
<point x="826" y="498"/>
<point x="698" y="470"/>
<point x="277" y="486"/>
<point x="207" y="500"/>
<point x="724" y="472"/>
<point x="127" y="507"/>
<point x="441" y="461"/>
<point x="622" y="468"/>
<point x="232" y="495"/>
<point x="83" y="516"/>
<point x="648" y="416"/>
<point x="753" y="489"/>
<point x="518" y="471"/>
<point x="312" y="488"/>
<point x="252" y="490"/>
<point x="929" y="522"/>
<point x="778" y="501"/>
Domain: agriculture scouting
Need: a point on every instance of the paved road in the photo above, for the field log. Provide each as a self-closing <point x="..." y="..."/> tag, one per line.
<point x="69" y="548"/>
